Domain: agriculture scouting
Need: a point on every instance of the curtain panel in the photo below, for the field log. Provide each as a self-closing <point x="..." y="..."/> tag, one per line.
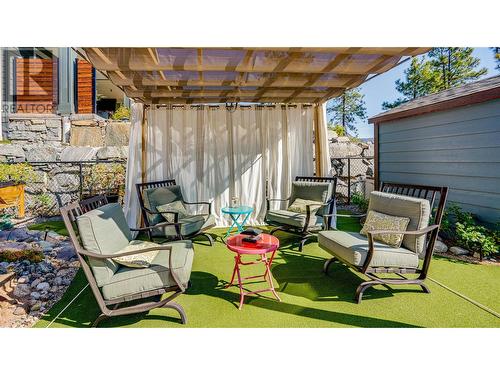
<point x="216" y="154"/>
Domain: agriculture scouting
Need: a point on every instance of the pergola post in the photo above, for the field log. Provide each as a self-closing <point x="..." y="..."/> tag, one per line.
<point x="317" y="142"/>
<point x="144" y="137"/>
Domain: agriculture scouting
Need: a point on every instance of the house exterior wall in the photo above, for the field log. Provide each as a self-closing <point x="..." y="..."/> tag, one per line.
<point x="458" y="148"/>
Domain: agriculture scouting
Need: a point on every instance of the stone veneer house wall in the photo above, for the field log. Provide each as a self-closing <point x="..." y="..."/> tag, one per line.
<point x="452" y="139"/>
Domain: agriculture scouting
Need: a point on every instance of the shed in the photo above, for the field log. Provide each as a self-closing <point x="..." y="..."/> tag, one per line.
<point x="452" y="139"/>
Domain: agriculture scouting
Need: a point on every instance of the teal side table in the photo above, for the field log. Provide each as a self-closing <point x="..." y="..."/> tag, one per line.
<point x="239" y="216"/>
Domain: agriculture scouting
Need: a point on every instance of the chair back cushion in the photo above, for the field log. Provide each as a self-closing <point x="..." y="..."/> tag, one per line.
<point x="311" y="191"/>
<point x="104" y="231"/>
<point x="154" y="197"/>
<point x="416" y="209"/>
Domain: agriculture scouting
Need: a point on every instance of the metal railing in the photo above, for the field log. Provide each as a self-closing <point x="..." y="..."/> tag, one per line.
<point x="53" y="184"/>
<point x="355" y="175"/>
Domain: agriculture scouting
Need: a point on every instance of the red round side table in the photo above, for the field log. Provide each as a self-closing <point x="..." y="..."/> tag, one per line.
<point x="267" y="244"/>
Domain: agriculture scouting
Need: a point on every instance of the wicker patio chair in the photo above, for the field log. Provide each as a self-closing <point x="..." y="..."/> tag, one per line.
<point x="99" y="233"/>
<point x="305" y="225"/>
<point x="363" y="254"/>
<point x="157" y="193"/>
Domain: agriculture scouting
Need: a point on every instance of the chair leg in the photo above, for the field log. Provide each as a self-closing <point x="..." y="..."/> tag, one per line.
<point x="99" y="319"/>
<point x="362" y="287"/>
<point x="209" y="237"/>
<point x="328" y="263"/>
<point x="425" y="288"/>
<point x="304" y="240"/>
<point x="178" y="308"/>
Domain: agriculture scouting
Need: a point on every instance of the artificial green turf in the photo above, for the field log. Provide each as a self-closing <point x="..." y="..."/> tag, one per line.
<point x="309" y="297"/>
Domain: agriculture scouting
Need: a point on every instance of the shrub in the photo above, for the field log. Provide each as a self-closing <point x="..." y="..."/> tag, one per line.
<point x="19" y="172"/>
<point x="359" y="200"/>
<point x="105" y="178"/>
<point x="462" y="229"/>
<point x="339" y="129"/>
<point x="122" y="113"/>
<point x="5" y="222"/>
<point x="42" y="205"/>
<point x="14" y="255"/>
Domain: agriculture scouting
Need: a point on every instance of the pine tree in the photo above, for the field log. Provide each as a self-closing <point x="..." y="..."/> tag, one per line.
<point x="420" y="79"/>
<point x="346" y="109"/>
<point x="455" y="66"/>
<point x="441" y="69"/>
<point x="496" y="52"/>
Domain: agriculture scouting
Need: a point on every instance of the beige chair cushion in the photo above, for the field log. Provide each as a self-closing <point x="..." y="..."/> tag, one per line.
<point x="299" y="206"/>
<point x="142" y="260"/>
<point x="352" y="248"/>
<point x="379" y="221"/>
<point x="416" y="209"/>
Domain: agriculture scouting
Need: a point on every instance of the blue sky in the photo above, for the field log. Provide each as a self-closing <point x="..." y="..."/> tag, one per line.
<point x="382" y="88"/>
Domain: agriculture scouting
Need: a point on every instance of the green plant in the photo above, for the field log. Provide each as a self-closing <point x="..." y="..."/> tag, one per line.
<point x="19" y="172"/>
<point x="43" y="205"/>
<point x="359" y="200"/>
<point x="105" y="178"/>
<point x="5" y="222"/>
<point x="122" y="113"/>
<point x="462" y="229"/>
<point x="339" y="129"/>
<point x="14" y="255"/>
<point x="477" y="238"/>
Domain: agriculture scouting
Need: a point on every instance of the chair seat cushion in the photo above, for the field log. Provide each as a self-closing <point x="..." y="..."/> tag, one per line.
<point x="191" y="225"/>
<point x="284" y="217"/>
<point x="127" y="281"/>
<point x="352" y="248"/>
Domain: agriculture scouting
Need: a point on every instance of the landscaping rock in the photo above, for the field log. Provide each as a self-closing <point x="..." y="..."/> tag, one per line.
<point x="35" y="295"/>
<point x="78" y="153"/>
<point x="458" y="250"/>
<point x="19" y="310"/>
<point x="440" y="247"/>
<point x="11" y="153"/>
<point x="43" y="286"/>
<point x="45" y="153"/>
<point x="112" y="152"/>
<point x="22" y="291"/>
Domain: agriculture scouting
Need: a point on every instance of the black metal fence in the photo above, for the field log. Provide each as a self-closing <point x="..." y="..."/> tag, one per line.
<point x="355" y="176"/>
<point x="52" y="184"/>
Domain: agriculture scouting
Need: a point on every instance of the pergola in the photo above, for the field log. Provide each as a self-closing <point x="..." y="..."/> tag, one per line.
<point x="256" y="75"/>
<point x="292" y="85"/>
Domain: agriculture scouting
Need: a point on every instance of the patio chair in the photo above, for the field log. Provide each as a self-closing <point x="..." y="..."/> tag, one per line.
<point x="99" y="233"/>
<point x="306" y="225"/>
<point x="158" y="193"/>
<point x="369" y="257"/>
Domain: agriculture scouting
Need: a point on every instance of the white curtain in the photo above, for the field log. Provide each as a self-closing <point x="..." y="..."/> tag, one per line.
<point x="134" y="170"/>
<point x="323" y="139"/>
<point x="216" y="154"/>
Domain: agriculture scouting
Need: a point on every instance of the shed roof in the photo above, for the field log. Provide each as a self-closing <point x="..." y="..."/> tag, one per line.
<point x="471" y="93"/>
<point x="219" y="75"/>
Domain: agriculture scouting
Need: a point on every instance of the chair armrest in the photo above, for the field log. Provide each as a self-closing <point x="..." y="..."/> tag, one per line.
<point x="159" y="225"/>
<point x="118" y="255"/>
<point x="209" y="204"/>
<point x="371" y="249"/>
<point x="269" y="200"/>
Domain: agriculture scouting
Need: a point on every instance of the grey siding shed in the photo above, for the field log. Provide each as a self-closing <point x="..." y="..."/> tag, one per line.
<point x="456" y="146"/>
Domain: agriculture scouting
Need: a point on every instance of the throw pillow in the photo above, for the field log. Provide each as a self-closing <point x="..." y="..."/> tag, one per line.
<point x="142" y="260"/>
<point x="379" y="221"/>
<point x="299" y="206"/>
<point x="175" y="206"/>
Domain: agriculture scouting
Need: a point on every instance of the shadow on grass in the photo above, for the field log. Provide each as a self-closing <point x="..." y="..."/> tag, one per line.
<point x="84" y="309"/>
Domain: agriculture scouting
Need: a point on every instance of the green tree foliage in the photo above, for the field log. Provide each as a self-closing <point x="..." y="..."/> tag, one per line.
<point x="420" y="79"/>
<point x="455" y="66"/>
<point x="441" y="69"/>
<point x="496" y="52"/>
<point x="346" y="109"/>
